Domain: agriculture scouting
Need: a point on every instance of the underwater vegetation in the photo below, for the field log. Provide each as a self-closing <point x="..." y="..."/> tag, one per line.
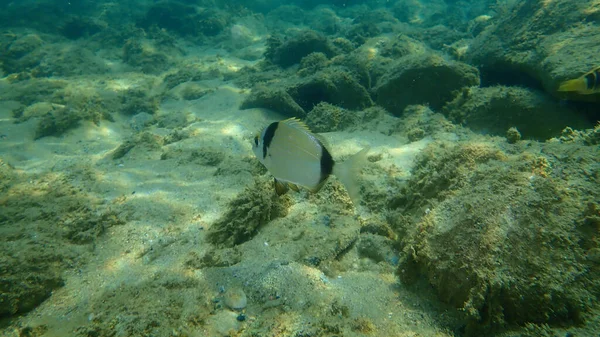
<point x="131" y="203"/>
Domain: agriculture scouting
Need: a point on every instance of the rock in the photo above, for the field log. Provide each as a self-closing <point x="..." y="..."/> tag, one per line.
<point x="79" y="26"/>
<point x="377" y="248"/>
<point x="184" y="19"/>
<point x="135" y="100"/>
<point x="140" y="121"/>
<point x="19" y="55"/>
<point x="38" y="109"/>
<point x="495" y="233"/>
<point x="235" y="298"/>
<point x="57" y="122"/>
<point x="275" y="99"/>
<point x="513" y="135"/>
<point x="332" y="85"/>
<point x="24" y="45"/>
<point x="325" y="117"/>
<point x="286" y="54"/>
<point x="493" y="110"/>
<point x="539" y="39"/>
<point x="423" y="79"/>
<point x="144" y="57"/>
<point x="311" y="63"/>
<point x="254" y="207"/>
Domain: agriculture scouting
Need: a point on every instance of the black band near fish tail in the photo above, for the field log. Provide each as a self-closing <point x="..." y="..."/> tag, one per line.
<point x="326" y="163"/>
<point x="592" y="79"/>
<point x="268" y="137"/>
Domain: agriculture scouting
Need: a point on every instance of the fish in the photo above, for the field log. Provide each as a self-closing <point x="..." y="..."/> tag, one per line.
<point x="297" y="157"/>
<point x="587" y="84"/>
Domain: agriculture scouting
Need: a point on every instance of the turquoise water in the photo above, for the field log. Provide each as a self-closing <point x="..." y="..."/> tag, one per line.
<point x="132" y="202"/>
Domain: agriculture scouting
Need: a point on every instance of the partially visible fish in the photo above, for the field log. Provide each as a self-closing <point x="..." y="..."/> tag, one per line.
<point x="587" y="84"/>
<point x="297" y="157"/>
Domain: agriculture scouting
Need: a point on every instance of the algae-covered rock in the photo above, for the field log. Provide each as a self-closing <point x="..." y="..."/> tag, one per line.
<point x="325" y="117"/>
<point x="542" y="39"/>
<point x="185" y="73"/>
<point x="145" y="57"/>
<point x="290" y="52"/>
<point x="493" y="110"/>
<point x="423" y="79"/>
<point x="60" y="60"/>
<point x="46" y="224"/>
<point x="333" y="85"/>
<point x="311" y="63"/>
<point x="586" y="137"/>
<point x="273" y="99"/>
<point x="38" y="109"/>
<point x="57" y="121"/>
<point x="145" y="141"/>
<point x="253" y="208"/>
<point x="401" y="46"/>
<point x="505" y="238"/>
<point x="134" y="101"/>
<point x="185" y="19"/>
<point x="80" y="26"/>
<point x="24" y="45"/>
<point x="34" y="90"/>
<point x="419" y="121"/>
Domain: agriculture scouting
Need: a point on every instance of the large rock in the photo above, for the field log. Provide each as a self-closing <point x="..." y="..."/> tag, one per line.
<point x="546" y="40"/>
<point x="423" y="79"/>
<point x="290" y="52"/>
<point x="493" y="110"/>
<point x="275" y="99"/>
<point x="333" y="85"/>
<point x="507" y="238"/>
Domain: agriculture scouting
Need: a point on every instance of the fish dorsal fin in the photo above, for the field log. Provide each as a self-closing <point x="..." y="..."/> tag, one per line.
<point x="298" y="124"/>
<point x="595" y="70"/>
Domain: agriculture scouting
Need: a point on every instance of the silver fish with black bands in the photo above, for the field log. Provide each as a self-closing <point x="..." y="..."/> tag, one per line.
<point x="297" y="157"/>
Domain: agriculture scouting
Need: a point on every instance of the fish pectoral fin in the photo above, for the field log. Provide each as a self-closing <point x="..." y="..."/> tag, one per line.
<point x="281" y="188"/>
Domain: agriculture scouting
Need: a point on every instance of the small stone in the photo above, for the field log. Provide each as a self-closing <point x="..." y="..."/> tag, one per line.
<point x="513" y="135"/>
<point x="235" y="298"/>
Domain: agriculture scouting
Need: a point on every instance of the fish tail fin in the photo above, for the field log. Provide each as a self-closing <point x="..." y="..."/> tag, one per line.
<point x="347" y="172"/>
<point x="577" y="84"/>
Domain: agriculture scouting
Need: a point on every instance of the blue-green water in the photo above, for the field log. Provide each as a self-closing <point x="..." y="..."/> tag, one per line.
<point x="132" y="203"/>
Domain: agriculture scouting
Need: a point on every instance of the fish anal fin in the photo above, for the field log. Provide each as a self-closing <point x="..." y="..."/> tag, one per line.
<point x="318" y="187"/>
<point x="281" y="188"/>
<point x="577" y="84"/>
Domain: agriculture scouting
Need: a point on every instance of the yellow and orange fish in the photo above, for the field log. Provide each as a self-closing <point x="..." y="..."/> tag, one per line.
<point x="587" y="84"/>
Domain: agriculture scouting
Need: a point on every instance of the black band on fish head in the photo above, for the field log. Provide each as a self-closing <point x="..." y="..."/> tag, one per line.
<point x="268" y="137"/>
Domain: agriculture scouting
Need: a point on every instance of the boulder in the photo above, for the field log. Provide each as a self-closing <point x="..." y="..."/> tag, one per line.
<point x="275" y="99"/>
<point x="333" y="85"/>
<point x="423" y="79"/>
<point x="507" y="238"/>
<point x="494" y="110"/>
<point x="550" y="41"/>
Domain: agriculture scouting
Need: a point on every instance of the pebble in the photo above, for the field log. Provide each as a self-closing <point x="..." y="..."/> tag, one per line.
<point x="235" y="298"/>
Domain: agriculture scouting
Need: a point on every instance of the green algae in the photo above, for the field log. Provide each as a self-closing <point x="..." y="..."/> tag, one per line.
<point x="502" y="236"/>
